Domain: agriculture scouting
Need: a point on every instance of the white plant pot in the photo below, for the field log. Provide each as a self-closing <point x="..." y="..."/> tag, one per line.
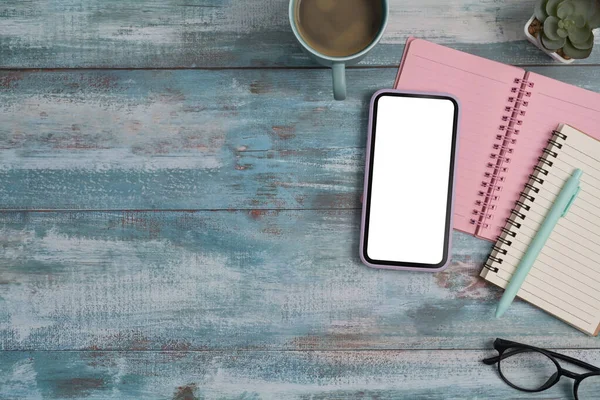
<point x="537" y="42"/>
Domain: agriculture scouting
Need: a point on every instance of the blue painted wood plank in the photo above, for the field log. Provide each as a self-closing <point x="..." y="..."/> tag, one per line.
<point x="180" y="139"/>
<point x="184" y="375"/>
<point x="230" y="33"/>
<point x="239" y="280"/>
<point x="189" y="139"/>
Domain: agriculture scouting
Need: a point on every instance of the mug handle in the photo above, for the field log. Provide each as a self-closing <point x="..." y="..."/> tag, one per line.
<point x="339" y="81"/>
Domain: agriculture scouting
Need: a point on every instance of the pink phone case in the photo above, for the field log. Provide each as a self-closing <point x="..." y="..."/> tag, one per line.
<point x="366" y="185"/>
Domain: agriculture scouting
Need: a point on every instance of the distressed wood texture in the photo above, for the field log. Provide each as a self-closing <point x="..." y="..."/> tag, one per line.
<point x="129" y="140"/>
<point x="233" y="33"/>
<point x="239" y="280"/>
<point x="181" y="375"/>
<point x="209" y="188"/>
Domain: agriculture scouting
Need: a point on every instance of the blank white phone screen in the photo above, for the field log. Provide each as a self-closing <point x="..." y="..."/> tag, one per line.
<point x="410" y="179"/>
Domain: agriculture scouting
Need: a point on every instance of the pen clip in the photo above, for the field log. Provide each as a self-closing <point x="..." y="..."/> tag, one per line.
<point x="571" y="201"/>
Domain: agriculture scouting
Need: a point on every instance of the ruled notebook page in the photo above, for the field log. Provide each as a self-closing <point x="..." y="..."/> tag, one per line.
<point x="482" y="88"/>
<point x="565" y="279"/>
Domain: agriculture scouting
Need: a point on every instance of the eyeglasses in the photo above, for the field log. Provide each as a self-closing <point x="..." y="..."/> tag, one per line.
<point x="531" y="369"/>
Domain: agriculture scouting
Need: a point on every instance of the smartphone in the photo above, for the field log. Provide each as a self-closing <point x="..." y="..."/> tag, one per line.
<point x="409" y="181"/>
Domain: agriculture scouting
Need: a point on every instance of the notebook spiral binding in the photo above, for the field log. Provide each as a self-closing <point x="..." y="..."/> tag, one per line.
<point x="507" y="138"/>
<point x="519" y="213"/>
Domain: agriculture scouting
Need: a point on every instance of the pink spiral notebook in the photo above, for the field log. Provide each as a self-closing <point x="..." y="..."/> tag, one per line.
<point x="507" y="118"/>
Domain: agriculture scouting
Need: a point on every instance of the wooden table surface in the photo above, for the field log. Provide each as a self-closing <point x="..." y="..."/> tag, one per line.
<point x="180" y="211"/>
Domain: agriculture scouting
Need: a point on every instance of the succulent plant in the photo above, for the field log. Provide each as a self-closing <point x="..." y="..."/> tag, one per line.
<point x="566" y="26"/>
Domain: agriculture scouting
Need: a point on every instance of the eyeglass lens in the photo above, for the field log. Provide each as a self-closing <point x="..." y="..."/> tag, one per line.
<point x="528" y="369"/>
<point x="589" y="388"/>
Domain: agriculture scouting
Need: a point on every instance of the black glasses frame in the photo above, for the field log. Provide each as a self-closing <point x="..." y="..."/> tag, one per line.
<point x="502" y="345"/>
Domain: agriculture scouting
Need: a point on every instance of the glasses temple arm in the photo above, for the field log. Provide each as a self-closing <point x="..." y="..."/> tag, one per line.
<point x="491" y="360"/>
<point x="574" y="361"/>
<point x="494" y="360"/>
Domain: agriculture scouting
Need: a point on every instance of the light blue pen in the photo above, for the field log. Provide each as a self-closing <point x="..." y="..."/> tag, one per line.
<point x="559" y="209"/>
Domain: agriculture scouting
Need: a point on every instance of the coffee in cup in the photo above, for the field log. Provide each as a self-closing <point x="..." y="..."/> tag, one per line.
<point x="339" y="28"/>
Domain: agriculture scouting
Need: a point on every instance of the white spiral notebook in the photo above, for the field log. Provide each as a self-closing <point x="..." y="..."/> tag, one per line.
<point x="565" y="279"/>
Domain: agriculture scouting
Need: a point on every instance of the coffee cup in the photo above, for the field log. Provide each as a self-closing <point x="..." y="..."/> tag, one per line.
<point x="338" y="33"/>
